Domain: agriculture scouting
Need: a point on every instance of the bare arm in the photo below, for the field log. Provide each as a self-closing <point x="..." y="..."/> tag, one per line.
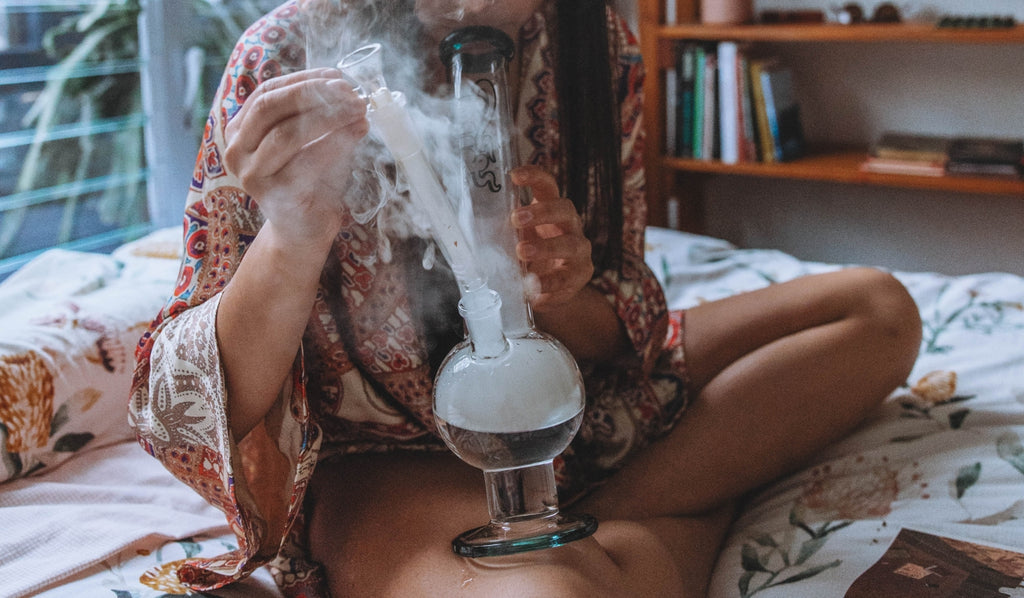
<point x="291" y="146"/>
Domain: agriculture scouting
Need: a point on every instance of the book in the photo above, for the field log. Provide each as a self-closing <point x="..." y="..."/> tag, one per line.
<point x="748" y="133"/>
<point x="765" y="145"/>
<point x="912" y="146"/>
<point x="983" y="169"/>
<point x="697" y="138"/>
<point x="986" y="156"/>
<point x="986" y="150"/>
<point x="783" y="112"/>
<point x="672" y="110"/>
<point x="709" y="149"/>
<point x="728" y="102"/>
<point x="918" y="563"/>
<point x="686" y="68"/>
<point x="898" y="166"/>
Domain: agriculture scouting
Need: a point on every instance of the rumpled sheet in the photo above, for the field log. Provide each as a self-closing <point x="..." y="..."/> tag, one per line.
<point x="945" y="455"/>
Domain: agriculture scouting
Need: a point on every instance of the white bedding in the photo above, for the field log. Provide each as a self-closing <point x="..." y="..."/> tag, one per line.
<point x="944" y="455"/>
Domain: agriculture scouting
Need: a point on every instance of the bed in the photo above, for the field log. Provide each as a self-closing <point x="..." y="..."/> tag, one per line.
<point x="929" y="493"/>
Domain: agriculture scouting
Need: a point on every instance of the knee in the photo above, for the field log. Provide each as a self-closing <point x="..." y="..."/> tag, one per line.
<point x="890" y="315"/>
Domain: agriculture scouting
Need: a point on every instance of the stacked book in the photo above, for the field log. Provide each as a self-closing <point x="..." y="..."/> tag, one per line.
<point x="908" y="153"/>
<point x="986" y="157"/>
<point x="936" y="155"/>
<point x="726" y="105"/>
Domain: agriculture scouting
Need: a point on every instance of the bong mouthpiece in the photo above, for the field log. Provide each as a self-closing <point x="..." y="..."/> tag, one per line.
<point x="364" y="68"/>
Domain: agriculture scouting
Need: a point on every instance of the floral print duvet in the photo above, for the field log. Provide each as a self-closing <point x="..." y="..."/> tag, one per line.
<point x="944" y="456"/>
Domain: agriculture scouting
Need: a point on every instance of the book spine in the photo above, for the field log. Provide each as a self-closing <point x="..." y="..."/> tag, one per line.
<point x="728" y="105"/>
<point x="748" y="137"/>
<point x="709" y="140"/>
<point x="697" y="140"/>
<point x="771" y="114"/>
<point x="764" y="136"/>
<point x="672" y="100"/>
<point x="685" y="113"/>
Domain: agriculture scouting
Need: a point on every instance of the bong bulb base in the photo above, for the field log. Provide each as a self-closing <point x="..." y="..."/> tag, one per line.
<point x="503" y="539"/>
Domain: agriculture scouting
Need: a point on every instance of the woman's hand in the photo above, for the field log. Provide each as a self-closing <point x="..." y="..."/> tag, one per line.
<point x="551" y="245"/>
<point x="292" y="145"/>
<point x="557" y="257"/>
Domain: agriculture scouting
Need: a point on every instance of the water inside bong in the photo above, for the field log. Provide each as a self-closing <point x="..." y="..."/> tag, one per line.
<point x="532" y="385"/>
<point x="496" y="451"/>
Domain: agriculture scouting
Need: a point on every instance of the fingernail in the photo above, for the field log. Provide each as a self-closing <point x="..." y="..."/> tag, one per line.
<point x="521" y="217"/>
<point x="527" y="250"/>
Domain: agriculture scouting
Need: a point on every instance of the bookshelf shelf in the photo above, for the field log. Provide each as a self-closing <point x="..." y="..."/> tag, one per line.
<point x="842" y="165"/>
<point x="824" y="164"/>
<point x="844" y="33"/>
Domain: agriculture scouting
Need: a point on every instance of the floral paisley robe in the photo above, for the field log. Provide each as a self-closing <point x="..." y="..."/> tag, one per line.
<point x="363" y="378"/>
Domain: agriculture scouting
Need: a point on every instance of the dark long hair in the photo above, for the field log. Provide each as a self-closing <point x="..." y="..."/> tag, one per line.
<point x="589" y="121"/>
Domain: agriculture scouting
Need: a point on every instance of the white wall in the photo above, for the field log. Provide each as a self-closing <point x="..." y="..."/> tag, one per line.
<point x="850" y="93"/>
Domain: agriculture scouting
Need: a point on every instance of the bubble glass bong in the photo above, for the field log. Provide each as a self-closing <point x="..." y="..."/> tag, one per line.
<point x="508" y="399"/>
<point x="507" y="407"/>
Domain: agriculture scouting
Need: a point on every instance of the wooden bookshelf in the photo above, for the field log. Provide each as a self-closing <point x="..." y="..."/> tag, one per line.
<point x="861" y="33"/>
<point x="842" y="165"/>
<point x="682" y="178"/>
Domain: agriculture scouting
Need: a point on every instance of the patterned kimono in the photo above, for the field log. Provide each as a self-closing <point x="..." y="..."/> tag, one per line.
<point x="362" y="380"/>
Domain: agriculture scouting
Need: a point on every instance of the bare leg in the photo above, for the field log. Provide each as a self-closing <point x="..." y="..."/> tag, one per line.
<point x="382" y="525"/>
<point x="781" y="372"/>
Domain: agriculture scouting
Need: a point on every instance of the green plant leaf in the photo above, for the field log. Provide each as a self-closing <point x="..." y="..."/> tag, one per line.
<point x="59" y="418"/>
<point x="750" y="560"/>
<point x="1010" y="450"/>
<point x="966" y="477"/>
<point x="71" y="443"/>
<point x="744" y="583"/>
<point x="809" y="548"/>
<point x="191" y="547"/>
<point x="807" y="573"/>
<point x="956" y="419"/>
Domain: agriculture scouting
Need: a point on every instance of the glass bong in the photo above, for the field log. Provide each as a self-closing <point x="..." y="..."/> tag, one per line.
<point x="508" y="399"/>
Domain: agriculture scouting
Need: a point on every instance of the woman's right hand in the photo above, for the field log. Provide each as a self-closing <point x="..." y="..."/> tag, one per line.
<point x="292" y="144"/>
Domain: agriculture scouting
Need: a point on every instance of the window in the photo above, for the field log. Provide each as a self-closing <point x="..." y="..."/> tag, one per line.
<point x="71" y="129"/>
<point x="88" y="90"/>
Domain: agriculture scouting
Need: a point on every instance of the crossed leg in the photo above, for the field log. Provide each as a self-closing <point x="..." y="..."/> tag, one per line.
<point x="779" y="372"/>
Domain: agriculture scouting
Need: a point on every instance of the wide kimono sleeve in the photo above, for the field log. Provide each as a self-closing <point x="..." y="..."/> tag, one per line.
<point x="178" y="398"/>
<point x="633" y="289"/>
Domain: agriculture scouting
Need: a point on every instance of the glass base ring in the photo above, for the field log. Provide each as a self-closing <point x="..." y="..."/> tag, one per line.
<point x="505" y="538"/>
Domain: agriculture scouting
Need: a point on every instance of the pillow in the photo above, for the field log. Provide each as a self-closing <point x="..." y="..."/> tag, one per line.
<point x="68" y="331"/>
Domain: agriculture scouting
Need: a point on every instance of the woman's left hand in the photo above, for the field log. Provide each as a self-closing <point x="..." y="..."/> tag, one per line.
<point x="551" y="242"/>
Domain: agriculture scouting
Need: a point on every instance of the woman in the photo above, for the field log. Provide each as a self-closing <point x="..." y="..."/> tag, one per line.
<point x="292" y="387"/>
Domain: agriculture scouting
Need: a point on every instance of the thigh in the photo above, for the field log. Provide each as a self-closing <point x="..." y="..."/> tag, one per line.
<point x="382" y="525"/>
<point x="719" y="333"/>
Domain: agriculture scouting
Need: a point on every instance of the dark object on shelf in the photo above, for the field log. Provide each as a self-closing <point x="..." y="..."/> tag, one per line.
<point x="977" y="22"/>
<point x="986" y="156"/>
<point x="886" y="12"/>
<point x="852" y="13"/>
<point x="778" y="17"/>
<point x="783" y="112"/>
<point x="898" y="145"/>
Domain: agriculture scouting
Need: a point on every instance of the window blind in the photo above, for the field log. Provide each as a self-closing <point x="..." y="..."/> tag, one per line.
<point x="87" y="89"/>
<point x="72" y="165"/>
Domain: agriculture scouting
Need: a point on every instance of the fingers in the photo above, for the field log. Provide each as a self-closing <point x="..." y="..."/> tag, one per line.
<point x="552" y="244"/>
<point x="285" y="114"/>
<point x="538" y="180"/>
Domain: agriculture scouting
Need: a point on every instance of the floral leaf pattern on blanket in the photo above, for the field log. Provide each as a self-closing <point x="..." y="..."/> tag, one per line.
<point x="833" y="499"/>
<point x="975" y="313"/>
<point x="159" y="579"/>
<point x="768" y="563"/>
<point x="932" y="392"/>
